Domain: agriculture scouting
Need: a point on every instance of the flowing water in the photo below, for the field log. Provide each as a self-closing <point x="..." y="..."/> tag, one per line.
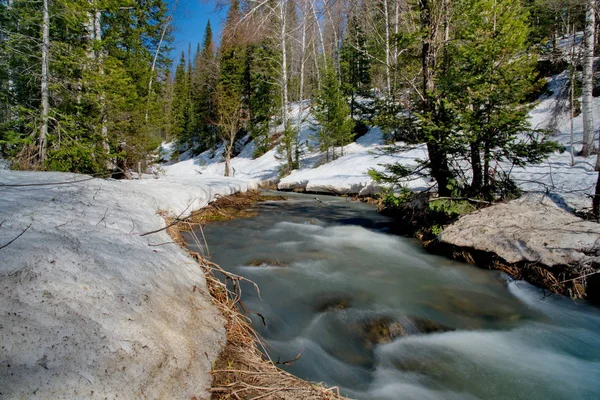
<point x="377" y="316"/>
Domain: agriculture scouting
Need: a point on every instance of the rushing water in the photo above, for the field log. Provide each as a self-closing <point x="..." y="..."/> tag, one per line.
<point x="375" y="315"/>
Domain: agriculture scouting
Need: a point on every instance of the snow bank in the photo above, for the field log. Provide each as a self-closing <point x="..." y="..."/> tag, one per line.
<point x="88" y="307"/>
<point x="532" y="228"/>
<point x="349" y="174"/>
<point x="568" y="184"/>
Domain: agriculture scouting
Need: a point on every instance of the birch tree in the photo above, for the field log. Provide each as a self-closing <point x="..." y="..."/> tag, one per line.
<point x="588" y="80"/>
<point x="44" y="90"/>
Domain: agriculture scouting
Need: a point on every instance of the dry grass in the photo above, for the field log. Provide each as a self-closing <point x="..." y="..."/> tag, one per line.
<point x="242" y="371"/>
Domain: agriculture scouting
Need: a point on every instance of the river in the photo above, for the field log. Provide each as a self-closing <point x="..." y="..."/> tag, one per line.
<point x="377" y="316"/>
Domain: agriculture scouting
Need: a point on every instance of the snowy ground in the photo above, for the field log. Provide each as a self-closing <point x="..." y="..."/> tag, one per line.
<point x="565" y="184"/>
<point x="89" y="307"/>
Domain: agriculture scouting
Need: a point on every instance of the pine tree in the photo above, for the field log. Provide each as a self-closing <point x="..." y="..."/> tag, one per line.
<point x="93" y="114"/>
<point x="261" y="92"/>
<point x="333" y="115"/>
<point x="487" y="81"/>
<point x="204" y="82"/>
<point x="231" y="114"/>
<point x="181" y="102"/>
<point x="355" y="64"/>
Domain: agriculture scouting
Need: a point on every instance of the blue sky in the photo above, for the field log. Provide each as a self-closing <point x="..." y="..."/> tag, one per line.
<point x="190" y="21"/>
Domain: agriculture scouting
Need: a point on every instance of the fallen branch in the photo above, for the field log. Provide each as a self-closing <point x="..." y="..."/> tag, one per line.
<point x="18" y="236"/>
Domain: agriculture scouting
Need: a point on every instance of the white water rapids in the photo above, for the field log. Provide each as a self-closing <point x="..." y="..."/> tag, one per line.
<point x="374" y="314"/>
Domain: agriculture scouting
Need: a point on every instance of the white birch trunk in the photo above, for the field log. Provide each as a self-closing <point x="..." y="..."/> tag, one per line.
<point x="321" y="40"/>
<point x="99" y="60"/>
<point x="388" y="76"/>
<point x="284" y="77"/>
<point x="301" y="90"/>
<point x="588" y="78"/>
<point x="43" y="138"/>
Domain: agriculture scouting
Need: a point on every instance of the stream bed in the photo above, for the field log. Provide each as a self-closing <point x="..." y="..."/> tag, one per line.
<point x="377" y="316"/>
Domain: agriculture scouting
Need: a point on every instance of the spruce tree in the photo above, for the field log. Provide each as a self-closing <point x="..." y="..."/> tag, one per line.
<point x="332" y="115"/>
<point x="488" y="79"/>
<point x="181" y="102"/>
<point x="204" y="83"/>
<point x="355" y="64"/>
<point x="231" y="114"/>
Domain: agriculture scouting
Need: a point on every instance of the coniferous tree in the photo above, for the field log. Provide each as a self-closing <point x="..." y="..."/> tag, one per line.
<point x="231" y="114"/>
<point x="355" y="64"/>
<point x="204" y="83"/>
<point x="333" y="115"/>
<point x="181" y="102"/>
<point x="90" y="102"/>
<point x="490" y="75"/>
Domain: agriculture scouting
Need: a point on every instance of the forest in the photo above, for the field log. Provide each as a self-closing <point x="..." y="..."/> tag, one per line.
<point x="87" y="85"/>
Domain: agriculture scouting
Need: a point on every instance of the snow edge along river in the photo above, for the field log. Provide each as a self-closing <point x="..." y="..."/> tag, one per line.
<point x="88" y="306"/>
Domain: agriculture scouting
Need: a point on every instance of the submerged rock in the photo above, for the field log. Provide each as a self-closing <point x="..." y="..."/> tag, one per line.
<point x="332" y="303"/>
<point x="381" y="330"/>
<point x="425" y="325"/>
<point x="266" y="263"/>
<point x="479" y="307"/>
<point x="384" y="329"/>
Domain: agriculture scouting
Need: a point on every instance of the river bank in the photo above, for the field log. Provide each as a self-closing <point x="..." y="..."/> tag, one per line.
<point x="95" y="298"/>
<point x="240" y="369"/>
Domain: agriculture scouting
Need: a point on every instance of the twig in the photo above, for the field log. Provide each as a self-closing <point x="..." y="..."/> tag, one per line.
<point x="18" y="236"/>
<point x="581" y="276"/>
<point x="289" y="362"/>
<point x="161" y="244"/>
<point x="103" y="218"/>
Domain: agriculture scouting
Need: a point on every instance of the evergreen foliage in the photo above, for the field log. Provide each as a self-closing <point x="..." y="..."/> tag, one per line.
<point x="100" y="54"/>
<point x="355" y="65"/>
<point x="333" y="115"/>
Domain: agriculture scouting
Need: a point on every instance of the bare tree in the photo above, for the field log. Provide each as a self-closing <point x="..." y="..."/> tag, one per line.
<point x="230" y="120"/>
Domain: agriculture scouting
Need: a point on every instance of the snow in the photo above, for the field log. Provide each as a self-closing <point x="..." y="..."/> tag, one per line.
<point x="569" y="186"/>
<point x="532" y="228"/>
<point x="347" y="174"/>
<point x="88" y="306"/>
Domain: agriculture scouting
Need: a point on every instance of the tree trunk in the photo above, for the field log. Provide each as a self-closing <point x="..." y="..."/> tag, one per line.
<point x="227" y="158"/>
<point x="99" y="60"/>
<point x="301" y="94"/>
<point x="388" y="77"/>
<point x="284" y="84"/>
<point x="477" y="181"/>
<point x="588" y="81"/>
<point x="43" y="138"/>
<point x="438" y="157"/>
<point x="486" y="166"/>
<point x="321" y="40"/>
<point x="596" y="198"/>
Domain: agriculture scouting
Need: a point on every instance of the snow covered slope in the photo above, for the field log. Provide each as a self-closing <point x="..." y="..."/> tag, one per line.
<point x="89" y="308"/>
<point x="565" y="184"/>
